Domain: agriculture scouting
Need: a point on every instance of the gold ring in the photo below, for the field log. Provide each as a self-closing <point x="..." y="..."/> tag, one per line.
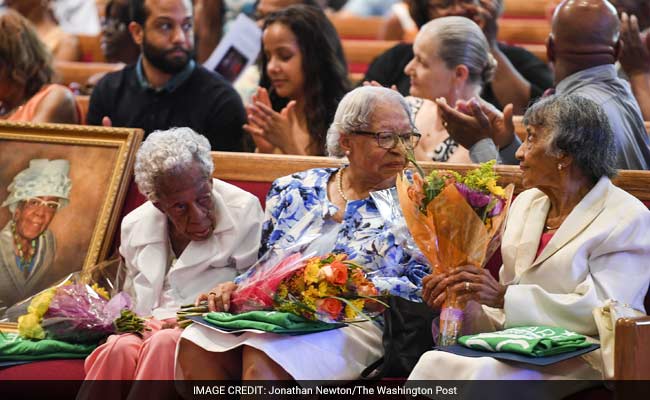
<point x="212" y="293"/>
<point x="467" y="286"/>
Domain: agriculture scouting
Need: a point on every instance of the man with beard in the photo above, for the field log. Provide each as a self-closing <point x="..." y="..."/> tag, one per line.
<point x="166" y="88"/>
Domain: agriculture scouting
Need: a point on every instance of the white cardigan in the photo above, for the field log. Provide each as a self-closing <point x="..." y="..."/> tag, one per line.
<point x="203" y="264"/>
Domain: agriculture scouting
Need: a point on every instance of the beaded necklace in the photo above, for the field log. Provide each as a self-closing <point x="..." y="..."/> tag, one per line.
<point x="25" y="256"/>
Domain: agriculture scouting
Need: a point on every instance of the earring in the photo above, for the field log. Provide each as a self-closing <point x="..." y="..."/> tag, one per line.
<point x="347" y="153"/>
<point x="559" y="167"/>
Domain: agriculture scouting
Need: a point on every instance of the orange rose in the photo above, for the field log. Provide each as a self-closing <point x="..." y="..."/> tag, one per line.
<point x="339" y="273"/>
<point x="330" y="307"/>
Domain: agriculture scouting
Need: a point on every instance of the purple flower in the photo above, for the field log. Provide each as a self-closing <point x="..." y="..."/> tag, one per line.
<point x="474" y="198"/>
<point x="498" y="207"/>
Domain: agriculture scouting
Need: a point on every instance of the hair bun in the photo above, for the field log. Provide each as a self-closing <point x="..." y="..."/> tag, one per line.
<point x="490" y="68"/>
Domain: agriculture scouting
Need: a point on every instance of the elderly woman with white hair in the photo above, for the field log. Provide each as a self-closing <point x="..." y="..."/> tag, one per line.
<point x="452" y="62"/>
<point x="27" y="247"/>
<point x="336" y="208"/>
<point x="194" y="231"/>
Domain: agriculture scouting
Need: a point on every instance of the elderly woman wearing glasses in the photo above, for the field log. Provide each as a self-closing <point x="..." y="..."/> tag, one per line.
<point x="336" y="208"/>
<point x="27" y="247"/>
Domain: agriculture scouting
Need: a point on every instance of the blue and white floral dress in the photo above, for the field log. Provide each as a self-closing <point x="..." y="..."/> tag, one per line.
<point x="297" y="211"/>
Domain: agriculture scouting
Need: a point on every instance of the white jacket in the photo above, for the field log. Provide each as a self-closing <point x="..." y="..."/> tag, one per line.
<point x="202" y="265"/>
<point x="601" y="251"/>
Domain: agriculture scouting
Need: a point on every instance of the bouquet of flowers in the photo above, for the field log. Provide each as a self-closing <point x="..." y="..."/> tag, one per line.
<point x="330" y="288"/>
<point x="455" y="220"/>
<point x="78" y="313"/>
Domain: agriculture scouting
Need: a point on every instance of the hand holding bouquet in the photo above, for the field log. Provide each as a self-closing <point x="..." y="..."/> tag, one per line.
<point x="455" y="220"/>
<point x="78" y="313"/>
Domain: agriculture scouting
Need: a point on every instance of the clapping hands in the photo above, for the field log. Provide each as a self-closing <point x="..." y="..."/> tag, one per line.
<point x="635" y="57"/>
<point x="273" y="130"/>
<point x="476" y="119"/>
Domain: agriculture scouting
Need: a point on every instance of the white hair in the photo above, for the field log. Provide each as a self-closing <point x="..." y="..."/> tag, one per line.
<point x="461" y="42"/>
<point x="169" y="151"/>
<point x="354" y="112"/>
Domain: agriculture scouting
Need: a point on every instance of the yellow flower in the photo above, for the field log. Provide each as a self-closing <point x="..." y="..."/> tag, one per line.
<point x="41" y="302"/>
<point x="495" y="189"/>
<point x="351" y="313"/>
<point x="100" y="290"/>
<point x="283" y="291"/>
<point x="29" y="327"/>
<point x="311" y="271"/>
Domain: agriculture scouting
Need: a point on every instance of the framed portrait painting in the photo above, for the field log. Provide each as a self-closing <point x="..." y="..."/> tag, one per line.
<point x="61" y="193"/>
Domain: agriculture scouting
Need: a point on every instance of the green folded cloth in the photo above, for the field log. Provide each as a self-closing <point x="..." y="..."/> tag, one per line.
<point x="15" y="348"/>
<point x="268" y="321"/>
<point x="533" y="341"/>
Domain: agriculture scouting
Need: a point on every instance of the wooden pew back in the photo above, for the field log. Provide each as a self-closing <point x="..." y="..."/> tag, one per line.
<point x="68" y="72"/>
<point x="511" y="30"/>
<point x="527" y="8"/>
<point x="90" y="48"/>
<point x="262" y="169"/>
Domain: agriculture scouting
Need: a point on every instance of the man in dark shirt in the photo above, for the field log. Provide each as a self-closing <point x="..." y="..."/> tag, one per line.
<point x="520" y="76"/>
<point x="166" y="88"/>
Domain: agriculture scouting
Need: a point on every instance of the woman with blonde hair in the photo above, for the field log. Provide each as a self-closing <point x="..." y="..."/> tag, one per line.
<point x="453" y="62"/>
<point x="26" y="89"/>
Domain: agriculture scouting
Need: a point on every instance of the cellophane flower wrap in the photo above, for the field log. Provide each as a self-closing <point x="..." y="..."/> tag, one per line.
<point x="328" y="288"/>
<point x="76" y="312"/>
<point x="455" y="220"/>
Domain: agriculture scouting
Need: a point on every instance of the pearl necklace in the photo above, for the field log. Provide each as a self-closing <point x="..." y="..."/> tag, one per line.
<point x="339" y="186"/>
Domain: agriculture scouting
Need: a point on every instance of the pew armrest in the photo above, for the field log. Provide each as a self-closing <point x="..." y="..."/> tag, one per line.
<point x="632" y="349"/>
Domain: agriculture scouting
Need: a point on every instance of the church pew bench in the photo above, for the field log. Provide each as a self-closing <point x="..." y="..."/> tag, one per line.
<point x="67" y="72"/>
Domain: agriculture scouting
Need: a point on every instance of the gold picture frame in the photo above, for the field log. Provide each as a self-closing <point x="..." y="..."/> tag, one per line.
<point x="100" y="164"/>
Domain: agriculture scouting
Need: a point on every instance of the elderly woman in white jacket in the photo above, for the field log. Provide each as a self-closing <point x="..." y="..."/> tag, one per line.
<point x="572" y="241"/>
<point x="194" y="231"/>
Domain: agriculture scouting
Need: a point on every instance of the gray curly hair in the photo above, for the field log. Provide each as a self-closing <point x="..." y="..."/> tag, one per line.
<point x="462" y="42"/>
<point x="354" y="113"/>
<point x="165" y="152"/>
<point x="579" y="128"/>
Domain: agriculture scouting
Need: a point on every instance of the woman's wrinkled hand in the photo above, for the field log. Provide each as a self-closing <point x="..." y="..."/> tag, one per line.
<point x="470" y="283"/>
<point x="169" y="323"/>
<point x="218" y="298"/>
<point x="433" y="290"/>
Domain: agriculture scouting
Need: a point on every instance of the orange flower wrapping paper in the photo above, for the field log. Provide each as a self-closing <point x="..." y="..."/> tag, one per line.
<point x="450" y="234"/>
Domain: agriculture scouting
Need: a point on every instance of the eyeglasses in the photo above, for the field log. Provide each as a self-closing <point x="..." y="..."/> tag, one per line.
<point x="36" y="202"/>
<point x="388" y="140"/>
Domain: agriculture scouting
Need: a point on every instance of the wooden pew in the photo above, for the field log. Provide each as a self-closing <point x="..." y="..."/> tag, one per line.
<point x="521" y="30"/>
<point x="83" y="102"/>
<point x="68" y="72"/>
<point x="365" y="51"/>
<point x="351" y="27"/>
<point x="90" y="48"/>
<point x="511" y="30"/>
<point x="265" y="168"/>
<point x="526" y="8"/>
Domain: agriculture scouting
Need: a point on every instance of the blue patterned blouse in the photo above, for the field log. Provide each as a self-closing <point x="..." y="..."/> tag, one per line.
<point x="298" y="210"/>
